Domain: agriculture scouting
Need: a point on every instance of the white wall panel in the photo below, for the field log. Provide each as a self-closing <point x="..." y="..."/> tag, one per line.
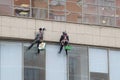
<point x="98" y="60"/>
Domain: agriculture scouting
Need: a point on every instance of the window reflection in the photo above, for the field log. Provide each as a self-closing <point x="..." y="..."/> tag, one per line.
<point x="57" y="2"/>
<point x="57" y="15"/>
<point x="78" y="63"/>
<point x="106" y="2"/>
<point x="117" y="17"/>
<point x="34" y="74"/>
<point x="22" y="8"/>
<point x="74" y="11"/>
<point x="118" y="21"/>
<point x="40" y="3"/>
<point x="91" y="9"/>
<point x="107" y="11"/>
<point x="117" y="3"/>
<point x="6" y="7"/>
<point x="98" y="76"/>
<point x="77" y="11"/>
<point x="90" y="1"/>
<point x="90" y="19"/>
<point x="73" y="7"/>
<point x="74" y="17"/>
<point x="105" y="20"/>
<point x="34" y="64"/>
<point x="38" y="13"/>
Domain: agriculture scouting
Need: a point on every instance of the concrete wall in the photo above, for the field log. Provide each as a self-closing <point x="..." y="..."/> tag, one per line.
<point x="12" y="27"/>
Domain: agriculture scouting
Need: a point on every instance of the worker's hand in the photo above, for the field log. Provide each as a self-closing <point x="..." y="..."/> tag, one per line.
<point x="44" y="29"/>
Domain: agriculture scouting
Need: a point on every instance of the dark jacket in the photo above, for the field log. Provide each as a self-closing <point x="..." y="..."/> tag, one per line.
<point x="63" y="37"/>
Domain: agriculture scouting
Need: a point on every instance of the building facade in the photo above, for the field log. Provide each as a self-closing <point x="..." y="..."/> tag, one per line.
<point x="93" y="29"/>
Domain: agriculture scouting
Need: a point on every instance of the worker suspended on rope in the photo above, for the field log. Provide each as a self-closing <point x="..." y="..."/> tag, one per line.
<point x="64" y="40"/>
<point x="38" y="39"/>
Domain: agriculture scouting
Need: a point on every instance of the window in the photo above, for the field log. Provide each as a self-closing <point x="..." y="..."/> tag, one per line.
<point x="117" y="17"/>
<point x="60" y="18"/>
<point x="40" y="4"/>
<point x="78" y="63"/>
<point x="90" y="1"/>
<point x="22" y="8"/>
<point x="98" y="76"/>
<point x="74" y="17"/>
<point x="106" y="20"/>
<point x="6" y="7"/>
<point x="98" y="64"/>
<point x="39" y="13"/>
<point x="90" y="19"/>
<point x="107" y="11"/>
<point x="57" y="5"/>
<point x="106" y="2"/>
<point x="91" y="9"/>
<point x="34" y="64"/>
<point x="34" y="74"/>
<point x="57" y="2"/>
<point x="73" y="11"/>
<point x="57" y="15"/>
<point x="73" y="7"/>
<point x="118" y="3"/>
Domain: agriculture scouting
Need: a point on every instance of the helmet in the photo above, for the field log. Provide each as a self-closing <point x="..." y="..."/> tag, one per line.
<point x="44" y="29"/>
<point x="64" y="33"/>
<point x="40" y="29"/>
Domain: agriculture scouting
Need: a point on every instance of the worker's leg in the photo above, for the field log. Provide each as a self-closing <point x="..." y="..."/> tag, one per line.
<point x="61" y="47"/>
<point x="32" y="45"/>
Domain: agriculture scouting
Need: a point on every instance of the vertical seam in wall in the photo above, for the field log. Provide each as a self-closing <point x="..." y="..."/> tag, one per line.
<point x="48" y="9"/>
<point x="88" y="62"/>
<point x="45" y="63"/>
<point x="108" y="50"/>
<point x="35" y="26"/>
<point x="22" y="61"/>
<point x="0" y="26"/>
<point x="67" y="66"/>
<point x="0" y="60"/>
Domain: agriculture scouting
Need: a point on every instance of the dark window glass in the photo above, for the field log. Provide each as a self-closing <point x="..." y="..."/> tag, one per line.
<point x="78" y="63"/>
<point x="34" y="74"/>
<point x="98" y="76"/>
<point x="34" y="64"/>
